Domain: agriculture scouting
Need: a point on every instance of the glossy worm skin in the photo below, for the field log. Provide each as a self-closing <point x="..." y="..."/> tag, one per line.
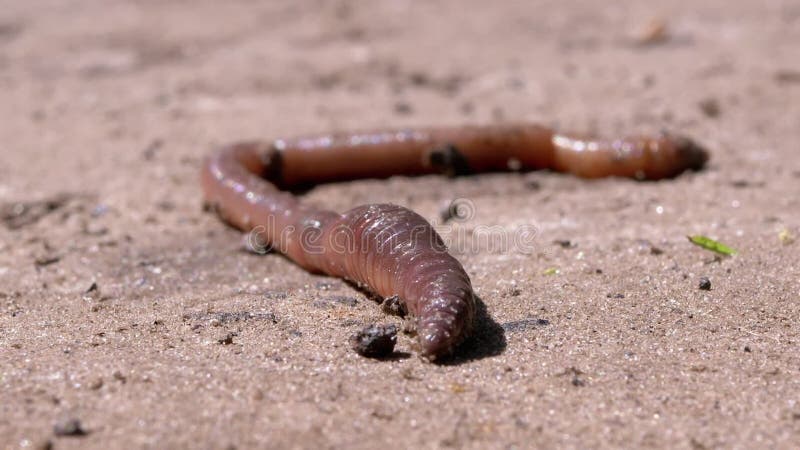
<point x="390" y="249"/>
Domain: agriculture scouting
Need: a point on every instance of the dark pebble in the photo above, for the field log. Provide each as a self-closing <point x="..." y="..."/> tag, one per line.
<point x="46" y="260"/>
<point x="565" y="243"/>
<point x="69" y="427"/>
<point x="787" y="76"/>
<point x="393" y="306"/>
<point x="710" y="107"/>
<point x="705" y="284"/>
<point x="403" y="108"/>
<point x="375" y="341"/>
<point x="227" y="339"/>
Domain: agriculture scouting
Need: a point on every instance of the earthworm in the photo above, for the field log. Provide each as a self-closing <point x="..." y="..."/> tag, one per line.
<point x="391" y="250"/>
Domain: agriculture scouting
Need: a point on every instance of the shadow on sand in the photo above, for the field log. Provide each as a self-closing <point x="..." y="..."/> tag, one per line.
<point x="487" y="340"/>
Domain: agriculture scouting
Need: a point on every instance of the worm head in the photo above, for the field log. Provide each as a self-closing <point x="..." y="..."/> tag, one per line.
<point x="448" y="321"/>
<point x="692" y="153"/>
<point x="688" y="154"/>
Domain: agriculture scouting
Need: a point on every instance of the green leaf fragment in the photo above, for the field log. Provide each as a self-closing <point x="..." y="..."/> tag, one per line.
<point x="786" y="236"/>
<point x="710" y="244"/>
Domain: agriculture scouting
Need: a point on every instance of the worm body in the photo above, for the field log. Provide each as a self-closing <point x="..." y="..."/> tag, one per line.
<point x="389" y="249"/>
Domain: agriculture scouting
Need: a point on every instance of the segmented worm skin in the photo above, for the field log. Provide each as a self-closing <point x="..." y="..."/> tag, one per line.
<point x="389" y="249"/>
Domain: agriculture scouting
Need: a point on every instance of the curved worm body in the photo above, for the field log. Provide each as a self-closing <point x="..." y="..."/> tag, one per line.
<point x="390" y="249"/>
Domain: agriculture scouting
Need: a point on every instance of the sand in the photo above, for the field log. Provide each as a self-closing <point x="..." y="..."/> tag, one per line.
<point x="126" y="308"/>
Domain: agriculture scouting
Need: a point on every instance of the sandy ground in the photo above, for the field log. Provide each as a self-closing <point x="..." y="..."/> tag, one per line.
<point x="124" y="306"/>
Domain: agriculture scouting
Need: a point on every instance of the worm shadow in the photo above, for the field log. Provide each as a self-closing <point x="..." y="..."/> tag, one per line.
<point x="396" y="356"/>
<point x="488" y="339"/>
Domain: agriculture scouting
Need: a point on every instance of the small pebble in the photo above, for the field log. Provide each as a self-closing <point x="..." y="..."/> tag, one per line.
<point x="96" y="384"/>
<point x="403" y="108"/>
<point x="46" y="444"/>
<point x="258" y="395"/>
<point x="467" y="108"/>
<point x="710" y="107"/>
<point x="393" y="306"/>
<point x="565" y="243"/>
<point x="375" y="341"/>
<point x="705" y="284"/>
<point x="226" y="339"/>
<point x="787" y="76"/>
<point x="69" y="427"/>
<point x="654" y="31"/>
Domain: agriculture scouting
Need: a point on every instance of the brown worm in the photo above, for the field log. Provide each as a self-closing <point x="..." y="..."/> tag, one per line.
<point x="391" y="250"/>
